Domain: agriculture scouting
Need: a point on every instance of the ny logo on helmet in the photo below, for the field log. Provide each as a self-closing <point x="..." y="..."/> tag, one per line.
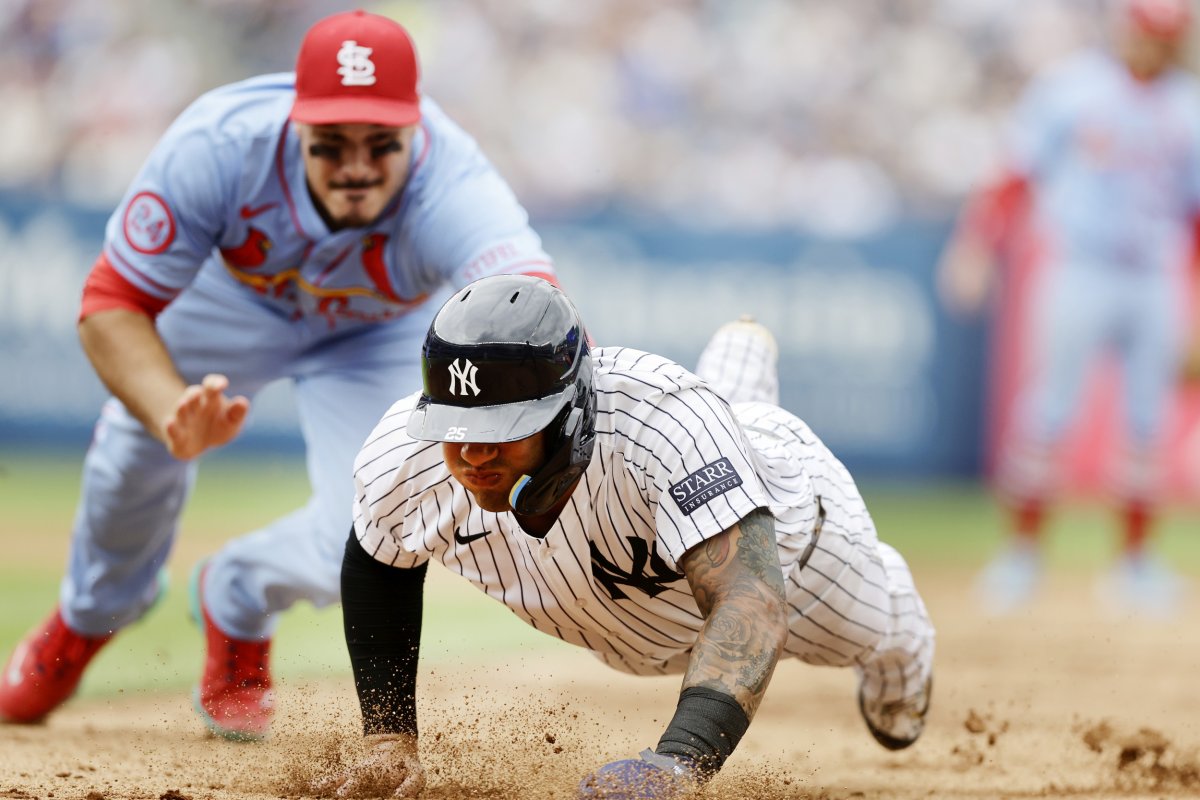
<point x="462" y="377"/>
<point x="357" y="68"/>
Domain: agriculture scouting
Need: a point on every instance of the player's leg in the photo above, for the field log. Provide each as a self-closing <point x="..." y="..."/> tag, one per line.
<point x="851" y="600"/>
<point x="215" y="328"/>
<point x="1066" y="341"/>
<point x="1151" y="359"/>
<point x="342" y="388"/>
<point x="854" y="604"/>
<point x="896" y="677"/>
<point x="131" y="495"/>
<point x="740" y="363"/>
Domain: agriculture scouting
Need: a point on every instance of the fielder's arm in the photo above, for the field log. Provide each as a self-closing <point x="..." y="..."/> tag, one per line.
<point x="984" y="229"/>
<point x="381" y="614"/>
<point x="118" y="334"/>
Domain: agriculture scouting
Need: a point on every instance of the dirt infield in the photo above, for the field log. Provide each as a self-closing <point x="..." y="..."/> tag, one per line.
<point x="1061" y="702"/>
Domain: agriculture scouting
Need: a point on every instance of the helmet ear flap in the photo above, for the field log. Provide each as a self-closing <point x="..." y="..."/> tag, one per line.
<point x="570" y="428"/>
<point x="537" y="493"/>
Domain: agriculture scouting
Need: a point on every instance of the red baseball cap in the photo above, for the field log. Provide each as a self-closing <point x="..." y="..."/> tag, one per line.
<point x="357" y="67"/>
<point x="1164" y="19"/>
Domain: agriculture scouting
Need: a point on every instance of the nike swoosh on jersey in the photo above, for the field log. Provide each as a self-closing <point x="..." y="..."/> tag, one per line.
<point x="249" y="212"/>
<point x="470" y="537"/>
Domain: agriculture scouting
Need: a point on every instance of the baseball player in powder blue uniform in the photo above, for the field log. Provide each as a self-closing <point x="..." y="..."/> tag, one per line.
<point x="1105" y="156"/>
<point x="302" y="227"/>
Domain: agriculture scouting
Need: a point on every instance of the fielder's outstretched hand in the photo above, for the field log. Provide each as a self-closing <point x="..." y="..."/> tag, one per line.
<point x="390" y="768"/>
<point x="964" y="276"/>
<point x="204" y="418"/>
<point x="651" y="776"/>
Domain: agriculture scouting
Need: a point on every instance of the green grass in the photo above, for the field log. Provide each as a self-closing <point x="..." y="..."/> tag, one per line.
<point x="951" y="526"/>
<point x="164" y="649"/>
<point x="959" y="525"/>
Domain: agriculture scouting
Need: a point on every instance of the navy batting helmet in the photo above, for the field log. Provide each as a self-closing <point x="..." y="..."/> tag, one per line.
<point x="505" y="357"/>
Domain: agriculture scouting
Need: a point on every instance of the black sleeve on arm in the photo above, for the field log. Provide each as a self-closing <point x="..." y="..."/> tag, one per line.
<point x="707" y="726"/>
<point x="381" y="614"/>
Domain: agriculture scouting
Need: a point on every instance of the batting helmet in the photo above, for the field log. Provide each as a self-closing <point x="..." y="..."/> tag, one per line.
<point x="505" y="357"/>
<point x="1164" y="19"/>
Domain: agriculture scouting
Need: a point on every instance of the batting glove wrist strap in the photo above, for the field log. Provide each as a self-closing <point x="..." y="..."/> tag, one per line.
<point x="676" y="765"/>
<point x="706" y="728"/>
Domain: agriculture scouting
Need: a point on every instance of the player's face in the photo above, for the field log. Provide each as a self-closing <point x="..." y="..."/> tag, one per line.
<point x="488" y="471"/>
<point x="354" y="170"/>
<point x="1148" y="56"/>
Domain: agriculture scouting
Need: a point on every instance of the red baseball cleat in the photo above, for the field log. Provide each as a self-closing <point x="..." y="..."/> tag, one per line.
<point x="234" y="697"/>
<point x="44" y="670"/>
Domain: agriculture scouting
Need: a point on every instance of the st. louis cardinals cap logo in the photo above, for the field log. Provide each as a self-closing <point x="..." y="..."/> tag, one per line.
<point x="462" y="377"/>
<point x="357" y="68"/>
<point x="711" y="480"/>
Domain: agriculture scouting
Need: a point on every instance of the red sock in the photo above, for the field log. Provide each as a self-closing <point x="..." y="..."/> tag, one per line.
<point x="1136" y="517"/>
<point x="1028" y="519"/>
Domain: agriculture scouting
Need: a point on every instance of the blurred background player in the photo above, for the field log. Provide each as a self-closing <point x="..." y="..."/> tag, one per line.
<point x="299" y="227"/>
<point x="1103" y="177"/>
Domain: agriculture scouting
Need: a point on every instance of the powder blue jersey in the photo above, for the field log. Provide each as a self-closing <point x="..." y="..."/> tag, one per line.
<point x="223" y="198"/>
<point x="1115" y="161"/>
<point x="219" y="226"/>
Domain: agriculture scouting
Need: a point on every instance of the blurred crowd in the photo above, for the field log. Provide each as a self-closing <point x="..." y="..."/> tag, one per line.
<point x="829" y="116"/>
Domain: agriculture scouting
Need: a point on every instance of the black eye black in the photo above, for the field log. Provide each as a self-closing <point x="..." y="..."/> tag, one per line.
<point x="381" y="150"/>
<point x="324" y="151"/>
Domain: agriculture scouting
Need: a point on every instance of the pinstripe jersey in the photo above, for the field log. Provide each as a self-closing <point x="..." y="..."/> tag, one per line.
<point x="673" y="465"/>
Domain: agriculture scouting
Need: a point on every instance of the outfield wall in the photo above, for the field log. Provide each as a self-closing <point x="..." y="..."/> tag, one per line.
<point x="867" y="356"/>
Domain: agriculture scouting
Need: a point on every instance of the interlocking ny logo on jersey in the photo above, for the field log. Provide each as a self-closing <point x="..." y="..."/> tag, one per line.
<point x="612" y="577"/>
<point x="357" y="68"/>
<point x="711" y="480"/>
<point x="462" y="377"/>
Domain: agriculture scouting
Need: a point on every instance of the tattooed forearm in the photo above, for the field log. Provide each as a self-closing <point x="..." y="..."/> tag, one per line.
<point x="738" y="586"/>
<point x="758" y="551"/>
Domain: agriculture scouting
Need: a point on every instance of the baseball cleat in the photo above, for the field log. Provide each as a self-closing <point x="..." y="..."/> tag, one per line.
<point x="898" y="724"/>
<point x="1139" y="585"/>
<point x="1010" y="581"/>
<point x="44" y="670"/>
<point x="740" y="362"/>
<point x="234" y="697"/>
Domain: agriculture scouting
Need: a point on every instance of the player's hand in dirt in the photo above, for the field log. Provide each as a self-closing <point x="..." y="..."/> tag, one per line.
<point x="204" y="418"/>
<point x="651" y="776"/>
<point x="389" y="768"/>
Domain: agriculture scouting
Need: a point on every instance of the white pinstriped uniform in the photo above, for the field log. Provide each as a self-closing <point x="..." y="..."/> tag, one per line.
<point x="673" y="465"/>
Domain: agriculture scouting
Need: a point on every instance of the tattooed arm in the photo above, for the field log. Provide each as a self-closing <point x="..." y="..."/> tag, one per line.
<point x="738" y="584"/>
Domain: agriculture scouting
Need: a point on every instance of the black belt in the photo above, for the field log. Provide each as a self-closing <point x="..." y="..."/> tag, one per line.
<point x="816" y="534"/>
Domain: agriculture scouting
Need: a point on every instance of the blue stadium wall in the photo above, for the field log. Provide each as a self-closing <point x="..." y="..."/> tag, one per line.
<point x="867" y="356"/>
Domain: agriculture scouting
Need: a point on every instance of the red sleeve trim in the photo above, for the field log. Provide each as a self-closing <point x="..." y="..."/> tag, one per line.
<point x="106" y="288"/>
<point x="549" y="277"/>
<point x="995" y="211"/>
<point x="1194" y="252"/>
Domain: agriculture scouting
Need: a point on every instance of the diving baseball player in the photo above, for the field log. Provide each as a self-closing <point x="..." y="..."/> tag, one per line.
<point x="297" y="227"/>
<point x="614" y="500"/>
